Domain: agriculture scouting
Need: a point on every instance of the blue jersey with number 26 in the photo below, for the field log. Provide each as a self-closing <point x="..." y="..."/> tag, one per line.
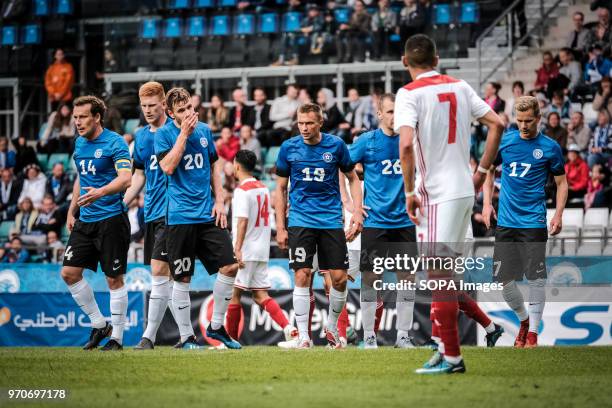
<point x="189" y="193"/>
<point x="314" y="195"/>
<point x="526" y="164"/>
<point x="98" y="161"/>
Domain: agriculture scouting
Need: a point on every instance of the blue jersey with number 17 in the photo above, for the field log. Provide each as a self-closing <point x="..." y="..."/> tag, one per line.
<point x="526" y="164"/>
<point x="189" y="194"/>
<point x="314" y="195"/>
<point x="155" y="188"/>
<point x="98" y="161"/>
<point x="383" y="180"/>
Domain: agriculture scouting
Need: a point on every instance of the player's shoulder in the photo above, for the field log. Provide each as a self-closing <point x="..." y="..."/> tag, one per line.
<point x="142" y="132"/>
<point x="112" y="138"/>
<point x="202" y="127"/>
<point x="509" y="138"/>
<point x="367" y="136"/>
<point x="333" y="140"/>
<point x="550" y="143"/>
<point x="426" y="82"/>
<point x="251" y="185"/>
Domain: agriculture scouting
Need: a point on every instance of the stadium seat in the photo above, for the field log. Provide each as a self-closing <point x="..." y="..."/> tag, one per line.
<point x="595" y="223"/>
<point x="268" y="23"/>
<point x="227" y="3"/>
<point x="220" y="25"/>
<point x="244" y="24"/>
<point x="139" y="54"/>
<point x="179" y="4"/>
<point x="149" y="29"/>
<point x="442" y="14"/>
<point x="9" y="35"/>
<point x="235" y="52"/>
<point x="42" y="8"/>
<point x="342" y="15"/>
<point x="26" y="59"/>
<point x="469" y="13"/>
<point x="162" y="54"/>
<point x="291" y="22"/>
<point x="572" y="222"/>
<point x="203" y="4"/>
<point x="131" y="125"/>
<point x="271" y="156"/>
<point x="63" y="158"/>
<point x="172" y="27"/>
<point x="5" y="228"/>
<point x="187" y="53"/>
<point x="211" y="52"/>
<point x="64" y="7"/>
<point x="43" y="161"/>
<point x="196" y="26"/>
<point x="6" y="67"/>
<point x="31" y="34"/>
<point x="259" y="50"/>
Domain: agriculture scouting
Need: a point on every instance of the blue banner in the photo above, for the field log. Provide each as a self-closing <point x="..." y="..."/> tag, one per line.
<point x="54" y="319"/>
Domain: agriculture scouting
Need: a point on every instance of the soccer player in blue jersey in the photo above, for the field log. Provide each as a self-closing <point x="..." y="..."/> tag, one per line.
<point x="147" y="171"/>
<point x="311" y="162"/>
<point x="387" y="220"/>
<point x="527" y="158"/>
<point x="196" y="219"/>
<point x="101" y="234"/>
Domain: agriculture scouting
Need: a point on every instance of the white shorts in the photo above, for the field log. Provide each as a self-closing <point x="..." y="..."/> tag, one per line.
<point x="253" y="276"/>
<point x="446" y="222"/>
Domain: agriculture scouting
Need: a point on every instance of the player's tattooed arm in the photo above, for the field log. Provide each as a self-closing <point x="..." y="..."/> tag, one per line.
<point x="219" y="208"/>
<point x="76" y="191"/>
<point x="356" y="224"/>
<point x="138" y="182"/>
<point x="556" y="223"/>
<point x="280" y="207"/>
<point x="408" y="162"/>
<point x="487" y="203"/>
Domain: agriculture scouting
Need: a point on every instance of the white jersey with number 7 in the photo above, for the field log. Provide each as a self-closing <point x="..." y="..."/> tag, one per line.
<point x="440" y="108"/>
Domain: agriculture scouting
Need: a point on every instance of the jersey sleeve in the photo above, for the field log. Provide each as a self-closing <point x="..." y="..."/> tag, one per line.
<point x="212" y="150"/>
<point x="345" y="163"/>
<point x="357" y="150"/>
<point x="240" y="204"/>
<point x="406" y="113"/>
<point x="162" y="143"/>
<point x="283" y="169"/>
<point x="556" y="164"/>
<point x="121" y="156"/>
<point x="137" y="158"/>
<point x="478" y="107"/>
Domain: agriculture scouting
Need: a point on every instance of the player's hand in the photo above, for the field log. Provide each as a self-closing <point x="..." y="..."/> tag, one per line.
<point x="220" y="216"/>
<point x="413" y="203"/>
<point x="90" y="197"/>
<point x="282" y="238"/>
<point x="556" y="224"/>
<point x="355" y="225"/>
<point x="478" y="179"/>
<point x="238" y="255"/>
<point x="70" y="220"/>
<point x="487" y="212"/>
<point x="189" y="124"/>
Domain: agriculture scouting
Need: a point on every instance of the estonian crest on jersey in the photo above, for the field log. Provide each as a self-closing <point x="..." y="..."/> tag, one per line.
<point x="327" y="157"/>
<point x="538" y="153"/>
<point x="98" y="153"/>
<point x="204" y="142"/>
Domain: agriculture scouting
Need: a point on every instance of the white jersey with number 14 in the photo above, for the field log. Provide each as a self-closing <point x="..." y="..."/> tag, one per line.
<point x="252" y="200"/>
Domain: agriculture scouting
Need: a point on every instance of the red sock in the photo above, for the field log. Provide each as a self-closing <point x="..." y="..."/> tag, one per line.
<point x="312" y="308"/>
<point x="234" y="313"/>
<point x="435" y="330"/>
<point x="470" y="307"/>
<point x="343" y="322"/>
<point x="275" y="312"/>
<point x="378" y="314"/>
<point x="446" y="315"/>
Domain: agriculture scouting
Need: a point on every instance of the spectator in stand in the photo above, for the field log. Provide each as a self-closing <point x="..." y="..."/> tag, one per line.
<point x="555" y="131"/>
<point x="518" y="90"/>
<point x="34" y="185"/>
<point x="49" y="217"/>
<point x="354" y="111"/>
<point x="113" y="119"/>
<point x="577" y="173"/>
<point x="16" y="253"/>
<point x="595" y="196"/>
<point x="546" y="72"/>
<point x="54" y="249"/>
<point x="248" y="141"/>
<point x="313" y="27"/>
<point x="288" y="54"/>
<point x="58" y="136"/>
<point x="603" y="97"/>
<point x="570" y="69"/>
<point x="577" y="39"/>
<point x="352" y="37"/>
<point x="259" y="113"/>
<point x="597" y="68"/>
<point x="330" y="25"/>
<point x="10" y="190"/>
<point x="600" y="33"/>
<point x="59" y="185"/>
<point x="281" y="113"/>
<point x="544" y="110"/>
<point x="196" y="101"/>
<point x="562" y="105"/>
<point x="227" y="145"/>
<point x="59" y="79"/>
<point x="217" y="115"/>
<point x="601" y="142"/>
<point x="304" y="97"/>
<point x="384" y="24"/>
<point x="8" y="158"/>
<point x="492" y="97"/>
<point x="240" y="112"/>
<point x="578" y="133"/>
<point x="25" y="155"/>
<point x="25" y="221"/>
<point x="412" y="19"/>
<point x="333" y="120"/>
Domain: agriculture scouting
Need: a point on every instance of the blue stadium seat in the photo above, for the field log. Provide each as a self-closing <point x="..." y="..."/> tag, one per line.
<point x="342" y="15"/>
<point x="149" y="29"/>
<point x="31" y="34"/>
<point x="178" y="4"/>
<point x="469" y="13"/>
<point x="42" y="8"/>
<point x="200" y="4"/>
<point x="196" y="26"/>
<point x="220" y="25"/>
<point x="268" y="23"/>
<point x="172" y="27"/>
<point x="227" y="3"/>
<point x="5" y="229"/>
<point x="244" y="24"/>
<point x="64" y="7"/>
<point x="442" y="14"/>
<point x="281" y="2"/>
<point x="291" y="21"/>
<point x="9" y="35"/>
<point x="131" y="125"/>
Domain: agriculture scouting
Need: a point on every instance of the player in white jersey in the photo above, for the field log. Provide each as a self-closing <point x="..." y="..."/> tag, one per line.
<point x="251" y="237"/>
<point x="433" y="115"/>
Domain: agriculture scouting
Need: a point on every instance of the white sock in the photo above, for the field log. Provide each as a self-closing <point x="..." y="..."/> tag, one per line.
<point x="83" y="295"/>
<point x="337" y="300"/>
<point x="170" y="290"/>
<point x="301" y="307"/>
<point x="537" y="300"/>
<point x="514" y="299"/>
<point x="118" y="308"/>
<point x="490" y="328"/>
<point x="181" y="303"/>
<point x="222" y="294"/>
<point x="158" y="301"/>
<point x="367" y="299"/>
<point x="405" y="311"/>
<point x="453" y="360"/>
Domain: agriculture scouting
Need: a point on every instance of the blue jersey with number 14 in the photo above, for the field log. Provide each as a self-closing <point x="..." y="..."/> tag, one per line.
<point x="314" y="195"/>
<point x="526" y="164"/>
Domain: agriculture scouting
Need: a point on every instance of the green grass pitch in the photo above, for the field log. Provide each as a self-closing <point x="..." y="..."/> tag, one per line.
<point x="550" y="377"/>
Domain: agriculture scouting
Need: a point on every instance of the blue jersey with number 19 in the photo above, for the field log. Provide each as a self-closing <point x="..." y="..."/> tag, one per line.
<point x="382" y="178"/>
<point x="314" y="195"/>
<point x="155" y="188"/>
<point x="98" y="161"/>
<point x="188" y="192"/>
<point x="526" y="164"/>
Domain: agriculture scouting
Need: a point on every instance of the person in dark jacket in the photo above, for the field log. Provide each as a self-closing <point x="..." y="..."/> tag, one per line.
<point x="10" y="190"/>
<point x="333" y="120"/>
<point x="59" y="185"/>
